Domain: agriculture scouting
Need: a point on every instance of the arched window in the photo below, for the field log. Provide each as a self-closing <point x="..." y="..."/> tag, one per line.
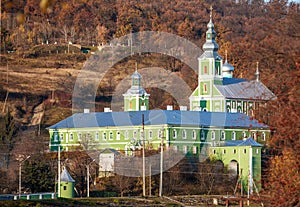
<point x="263" y="136"/>
<point x="233" y="135"/>
<point x="202" y="135"/>
<point x="110" y="136"/>
<point x="213" y="135"/>
<point x="194" y="135"/>
<point x="223" y="135"/>
<point x="150" y="134"/>
<point x="174" y="133"/>
<point x="118" y="135"/>
<point x="184" y="134"/>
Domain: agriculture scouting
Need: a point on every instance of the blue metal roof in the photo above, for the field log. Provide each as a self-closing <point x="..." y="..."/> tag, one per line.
<point x="248" y="142"/>
<point x="65" y="176"/>
<point x="158" y="117"/>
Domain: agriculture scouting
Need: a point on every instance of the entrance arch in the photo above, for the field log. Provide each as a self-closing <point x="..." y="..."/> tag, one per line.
<point x="233" y="168"/>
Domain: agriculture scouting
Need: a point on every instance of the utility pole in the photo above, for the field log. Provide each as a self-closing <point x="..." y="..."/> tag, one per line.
<point x="58" y="172"/>
<point x="161" y="164"/>
<point x="150" y="180"/>
<point x="88" y="178"/>
<point x="20" y="175"/>
<point x="144" y="176"/>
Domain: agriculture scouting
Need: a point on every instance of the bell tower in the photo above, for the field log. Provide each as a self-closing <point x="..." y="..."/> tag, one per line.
<point x="136" y="98"/>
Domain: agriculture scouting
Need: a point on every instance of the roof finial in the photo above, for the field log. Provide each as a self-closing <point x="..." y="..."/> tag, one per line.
<point x="257" y="72"/>
<point x="211" y="11"/>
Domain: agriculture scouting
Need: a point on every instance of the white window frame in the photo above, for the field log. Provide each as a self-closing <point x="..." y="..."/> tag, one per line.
<point x="185" y="149"/>
<point x="61" y="136"/>
<point x="150" y="134"/>
<point x="97" y="136"/>
<point x="195" y="149"/>
<point x="174" y="133"/>
<point x="202" y="134"/>
<point x="223" y="135"/>
<point x="233" y="135"/>
<point x="104" y="136"/>
<point x="183" y="134"/>
<point x="118" y="135"/>
<point x="175" y="148"/>
<point x="213" y="135"/>
<point x="134" y="134"/>
<point x="263" y="136"/>
<point x="111" y="135"/>
<point x="194" y="134"/>
<point x="55" y="134"/>
<point x="244" y="134"/>
<point x="126" y="135"/>
<point x="71" y="137"/>
<point x="79" y="137"/>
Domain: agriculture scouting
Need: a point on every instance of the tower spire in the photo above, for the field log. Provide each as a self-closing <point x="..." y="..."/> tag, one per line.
<point x="257" y="72"/>
<point x="210" y="46"/>
<point x="211" y="11"/>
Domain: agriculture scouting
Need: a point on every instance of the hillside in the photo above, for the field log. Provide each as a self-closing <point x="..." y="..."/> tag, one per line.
<point x="37" y="79"/>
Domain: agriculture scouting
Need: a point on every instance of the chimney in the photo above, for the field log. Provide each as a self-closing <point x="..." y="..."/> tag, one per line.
<point x="169" y="107"/>
<point x="183" y="108"/>
<point x="107" y="109"/>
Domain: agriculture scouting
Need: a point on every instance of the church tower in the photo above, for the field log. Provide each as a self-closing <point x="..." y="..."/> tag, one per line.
<point x="209" y="74"/>
<point x="136" y="98"/>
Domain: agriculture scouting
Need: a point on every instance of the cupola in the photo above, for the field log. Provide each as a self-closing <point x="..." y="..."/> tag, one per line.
<point x="227" y="69"/>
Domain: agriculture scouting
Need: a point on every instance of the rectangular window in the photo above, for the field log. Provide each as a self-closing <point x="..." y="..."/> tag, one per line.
<point x="134" y="134"/>
<point x="159" y="133"/>
<point x="55" y="137"/>
<point x="126" y="135"/>
<point x="175" y="147"/>
<point x="104" y="136"/>
<point x="61" y="137"/>
<point x="194" y="149"/>
<point x="110" y="136"/>
<point x="79" y="137"/>
<point x="118" y="135"/>
<point x="244" y="134"/>
<point x="257" y="151"/>
<point x="234" y="104"/>
<point x="71" y="137"/>
<point x="89" y="136"/>
<point x="97" y="136"/>
<point x="184" y="134"/>
<point x="185" y="149"/>
<point x="234" y="151"/>
<point x="204" y="88"/>
<point x="205" y="70"/>
<point x="150" y="134"/>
